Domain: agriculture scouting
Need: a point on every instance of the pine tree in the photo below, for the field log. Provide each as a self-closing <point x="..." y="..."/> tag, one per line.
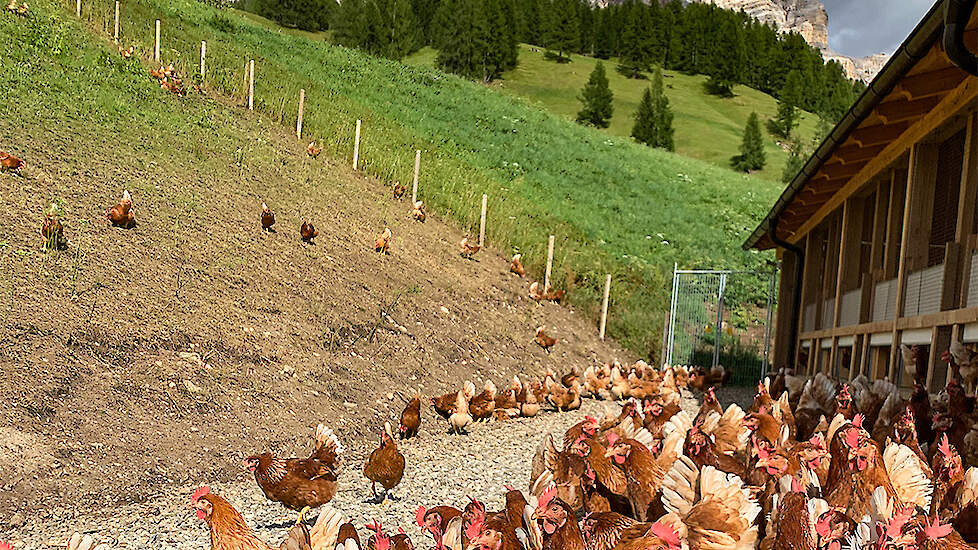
<point x="463" y="47"/>
<point x="653" y="120"/>
<point x="796" y="161"/>
<point x="751" y="148"/>
<point x="787" y="118"/>
<point x="349" y="24"/>
<point x="596" y="99"/>
<point x="563" y="33"/>
<point x="405" y="32"/>
<point x="636" y="40"/>
<point x="728" y="59"/>
<point x="604" y="33"/>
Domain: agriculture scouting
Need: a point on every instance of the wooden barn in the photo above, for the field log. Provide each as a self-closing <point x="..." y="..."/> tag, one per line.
<point x="878" y="233"/>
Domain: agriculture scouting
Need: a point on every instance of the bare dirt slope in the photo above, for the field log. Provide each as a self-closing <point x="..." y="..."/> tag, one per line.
<point x="139" y="361"/>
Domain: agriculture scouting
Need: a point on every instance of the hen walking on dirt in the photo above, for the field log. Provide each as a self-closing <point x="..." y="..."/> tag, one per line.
<point x="267" y="218"/>
<point x="385" y="465"/>
<point x="121" y="215"/>
<point x="300" y="482"/>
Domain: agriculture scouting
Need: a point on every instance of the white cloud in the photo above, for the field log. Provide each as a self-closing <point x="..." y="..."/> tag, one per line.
<point x="865" y="27"/>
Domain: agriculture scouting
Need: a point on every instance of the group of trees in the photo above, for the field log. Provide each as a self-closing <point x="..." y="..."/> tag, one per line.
<point x="653" y="119"/>
<point x="479" y="39"/>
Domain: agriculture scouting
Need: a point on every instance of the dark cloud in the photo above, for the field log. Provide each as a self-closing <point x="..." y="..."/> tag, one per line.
<point x="864" y="27"/>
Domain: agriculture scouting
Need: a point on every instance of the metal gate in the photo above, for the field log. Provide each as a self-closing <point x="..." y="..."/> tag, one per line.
<point x="721" y="318"/>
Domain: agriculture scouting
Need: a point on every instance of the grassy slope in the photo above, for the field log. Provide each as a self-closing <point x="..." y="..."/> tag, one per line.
<point x="615" y="207"/>
<point x="101" y="402"/>
<point x="707" y="127"/>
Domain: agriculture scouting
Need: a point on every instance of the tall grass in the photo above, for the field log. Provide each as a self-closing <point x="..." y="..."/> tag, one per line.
<point x="614" y="206"/>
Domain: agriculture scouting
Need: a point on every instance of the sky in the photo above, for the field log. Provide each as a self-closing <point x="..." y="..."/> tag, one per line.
<point x="864" y="27"/>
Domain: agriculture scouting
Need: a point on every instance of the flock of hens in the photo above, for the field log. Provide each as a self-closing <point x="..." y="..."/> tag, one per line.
<point x="813" y="464"/>
<point x="826" y="465"/>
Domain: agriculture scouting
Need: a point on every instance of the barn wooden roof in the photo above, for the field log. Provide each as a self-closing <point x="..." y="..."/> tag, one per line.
<point x="914" y="93"/>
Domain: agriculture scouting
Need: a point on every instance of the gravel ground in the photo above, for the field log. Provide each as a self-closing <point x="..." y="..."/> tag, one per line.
<point x="441" y="469"/>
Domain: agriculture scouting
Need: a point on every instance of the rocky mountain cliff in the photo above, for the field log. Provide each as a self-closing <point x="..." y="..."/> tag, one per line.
<point x="809" y="19"/>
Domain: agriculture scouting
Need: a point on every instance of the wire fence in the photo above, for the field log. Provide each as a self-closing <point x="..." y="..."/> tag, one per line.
<point x="710" y="324"/>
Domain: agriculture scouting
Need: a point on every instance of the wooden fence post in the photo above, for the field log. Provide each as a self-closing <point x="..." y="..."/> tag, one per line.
<point x="251" y="86"/>
<point x="115" y="34"/>
<point x="302" y="106"/>
<point x="356" y="147"/>
<point x="550" y="261"/>
<point x="203" y="58"/>
<point x="156" y="47"/>
<point x="77" y="8"/>
<point x="604" y="306"/>
<point x="482" y="221"/>
<point x="417" y="169"/>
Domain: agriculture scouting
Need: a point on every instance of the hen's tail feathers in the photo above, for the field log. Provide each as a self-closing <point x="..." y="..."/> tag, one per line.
<point x="679" y="486"/>
<point x="452" y="539"/>
<point x="325" y="532"/>
<point x="909" y="481"/>
<point x="968" y="490"/>
<point x="86" y="542"/>
<point x="533" y="534"/>
<point x="328" y="446"/>
<point x="837" y="422"/>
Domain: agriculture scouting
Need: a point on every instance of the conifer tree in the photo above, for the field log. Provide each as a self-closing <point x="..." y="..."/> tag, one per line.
<point x="596" y="99"/>
<point x="462" y="49"/>
<point x="787" y="119"/>
<point x="751" y="147"/>
<point x="604" y="34"/>
<point x="728" y="59"/>
<point x="405" y="32"/>
<point x="653" y="120"/>
<point x="636" y="40"/>
<point x="563" y="33"/>
<point x="796" y="161"/>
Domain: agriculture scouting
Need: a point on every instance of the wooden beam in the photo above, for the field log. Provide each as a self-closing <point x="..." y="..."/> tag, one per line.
<point x="881" y="133"/>
<point x="897" y="111"/>
<point x="962" y="97"/>
<point x="856" y="153"/>
<point x="931" y="359"/>
<point x="879" y="225"/>
<point x="841" y="171"/>
<point x="930" y="83"/>
<point x="894" y="223"/>
<point x="920" y="214"/>
<point x="969" y="181"/>
<point x="913" y="190"/>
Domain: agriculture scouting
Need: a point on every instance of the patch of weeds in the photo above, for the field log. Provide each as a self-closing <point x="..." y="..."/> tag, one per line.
<point x="223" y="23"/>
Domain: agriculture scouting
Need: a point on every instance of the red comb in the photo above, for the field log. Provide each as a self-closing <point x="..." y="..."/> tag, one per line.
<point x="547" y="496"/>
<point x="201" y="491"/>
<point x="473" y="528"/>
<point x="934" y="531"/>
<point x="401" y="531"/>
<point x="666" y="534"/>
<point x="852" y="438"/>
<point x="857" y="420"/>
<point x="612" y="439"/>
<point x="823" y="526"/>
<point x="817" y="442"/>
<point x="5" y="546"/>
<point x="944" y="446"/>
<point x="509" y="487"/>
<point x="795" y="485"/>
<point x="374" y="526"/>
<point x="419" y="515"/>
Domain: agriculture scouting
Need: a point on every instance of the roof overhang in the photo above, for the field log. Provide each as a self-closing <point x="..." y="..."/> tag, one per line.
<point x="917" y="80"/>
